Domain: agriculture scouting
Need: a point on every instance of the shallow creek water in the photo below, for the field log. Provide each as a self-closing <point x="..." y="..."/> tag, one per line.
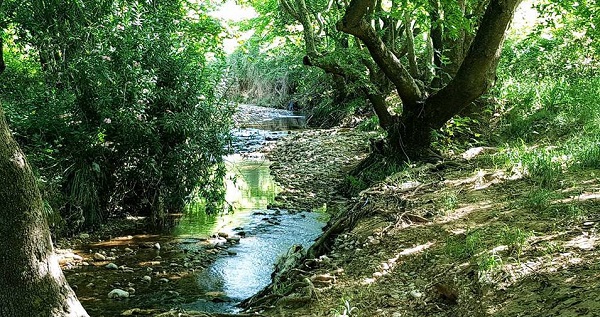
<point x="207" y="263"/>
<point x="267" y="234"/>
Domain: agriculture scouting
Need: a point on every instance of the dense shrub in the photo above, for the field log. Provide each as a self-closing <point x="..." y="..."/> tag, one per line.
<point x="124" y="114"/>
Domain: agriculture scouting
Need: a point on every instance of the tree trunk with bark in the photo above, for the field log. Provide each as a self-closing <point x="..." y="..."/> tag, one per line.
<point x="31" y="283"/>
<point x="410" y="133"/>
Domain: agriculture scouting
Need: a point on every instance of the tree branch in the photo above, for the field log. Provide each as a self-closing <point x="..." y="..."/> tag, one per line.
<point x="2" y="64"/>
<point x="436" y="35"/>
<point x="354" y="23"/>
<point x="477" y="72"/>
<point x="381" y="110"/>
<point x="410" y="41"/>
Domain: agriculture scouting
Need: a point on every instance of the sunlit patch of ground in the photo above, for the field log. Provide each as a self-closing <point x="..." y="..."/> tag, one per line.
<point x="466" y="239"/>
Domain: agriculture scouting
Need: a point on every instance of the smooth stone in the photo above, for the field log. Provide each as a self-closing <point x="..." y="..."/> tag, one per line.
<point x="416" y="294"/>
<point x="147" y="278"/>
<point x="157" y="246"/>
<point x="234" y="239"/>
<point x="214" y="294"/>
<point x="111" y="266"/>
<point x="118" y="293"/>
<point x="99" y="257"/>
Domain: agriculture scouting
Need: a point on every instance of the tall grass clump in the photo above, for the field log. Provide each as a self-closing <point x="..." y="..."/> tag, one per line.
<point x="586" y="152"/>
<point x="549" y="81"/>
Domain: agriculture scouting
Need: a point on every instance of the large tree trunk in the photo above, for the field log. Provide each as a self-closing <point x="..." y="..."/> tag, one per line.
<point x="31" y="283"/>
<point x="409" y="134"/>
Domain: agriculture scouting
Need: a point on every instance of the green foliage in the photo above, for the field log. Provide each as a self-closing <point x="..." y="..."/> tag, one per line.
<point x="487" y="263"/>
<point x="539" y="200"/>
<point x="465" y="246"/>
<point x="515" y="239"/>
<point x="450" y="201"/>
<point x="548" y="78"/>
<point x="369" y="124"/>
<point x="458" y="134"/>
<point x="543" y="168"/>
<point x="586" y="153"/>
<point x="120" y="115"/>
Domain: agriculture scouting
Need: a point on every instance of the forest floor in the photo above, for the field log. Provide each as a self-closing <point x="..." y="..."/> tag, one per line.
<point x="462" y="237"/>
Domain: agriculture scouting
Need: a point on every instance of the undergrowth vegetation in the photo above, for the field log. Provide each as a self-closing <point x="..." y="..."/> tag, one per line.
<point x="110" y="129"/>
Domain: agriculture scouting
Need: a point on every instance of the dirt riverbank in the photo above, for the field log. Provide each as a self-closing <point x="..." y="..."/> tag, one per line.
<point x="462" y="237"/>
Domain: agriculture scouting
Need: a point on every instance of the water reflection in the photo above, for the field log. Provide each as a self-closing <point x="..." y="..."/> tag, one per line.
<point x="249" y="183"/>
<point x="245" y="268"/>
<point x="249" y="187"/>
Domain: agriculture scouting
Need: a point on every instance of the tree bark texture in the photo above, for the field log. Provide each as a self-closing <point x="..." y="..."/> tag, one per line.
<point x="31" y="283"/>
<point x="477" y="72"/>
<point x="355" y="23"/>
<point x="410" y="133"/>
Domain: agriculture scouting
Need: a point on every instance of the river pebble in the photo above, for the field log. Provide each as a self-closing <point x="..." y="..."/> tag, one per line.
<point x="118" y="293"/>
<point x="111" y="266"/>
<point x="99" y="257"/>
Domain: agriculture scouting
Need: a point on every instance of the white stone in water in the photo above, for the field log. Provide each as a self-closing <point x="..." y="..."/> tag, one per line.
<point x="118" y="293"/>
<point x="111" y="266"/>
<point x="416" y="294"/>
<point x="147" y="278"/>
<point x="128" y="250"/>
<point x="164" y="280"/>
<point x="157" y="246"/>
<point x="99" y="257"/>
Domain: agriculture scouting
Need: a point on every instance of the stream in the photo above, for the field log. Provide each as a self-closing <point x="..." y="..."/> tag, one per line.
<point x="206" y="263"/>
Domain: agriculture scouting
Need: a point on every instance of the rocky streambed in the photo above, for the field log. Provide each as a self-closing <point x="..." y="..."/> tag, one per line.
<point x="206" y="263"/>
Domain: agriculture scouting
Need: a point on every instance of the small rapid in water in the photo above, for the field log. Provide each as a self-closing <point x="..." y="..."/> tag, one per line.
<point x="266" y="234"/>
